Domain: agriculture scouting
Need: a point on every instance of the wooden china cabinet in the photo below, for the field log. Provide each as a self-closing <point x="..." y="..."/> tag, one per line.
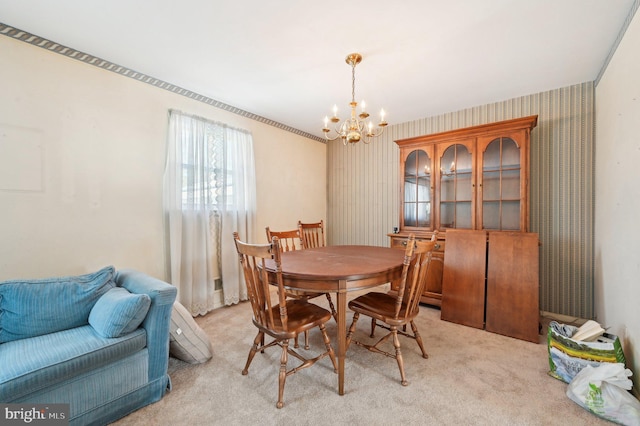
<point x="474" y="179"/>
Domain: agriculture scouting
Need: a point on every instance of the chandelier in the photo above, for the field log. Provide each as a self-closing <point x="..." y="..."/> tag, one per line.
<point x="356" y="128"/>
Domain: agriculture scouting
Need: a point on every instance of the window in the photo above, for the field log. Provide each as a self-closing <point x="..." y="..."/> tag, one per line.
<point x="209" y="187"/>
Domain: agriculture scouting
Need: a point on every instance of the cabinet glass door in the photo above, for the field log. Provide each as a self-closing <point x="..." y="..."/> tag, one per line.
<point x="456" y="189"/>
<point x="501" y="185"/>
<point x="417" y="189"/>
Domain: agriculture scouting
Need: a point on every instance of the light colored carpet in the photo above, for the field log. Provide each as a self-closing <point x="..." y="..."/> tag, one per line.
<point x="472" y="377"/>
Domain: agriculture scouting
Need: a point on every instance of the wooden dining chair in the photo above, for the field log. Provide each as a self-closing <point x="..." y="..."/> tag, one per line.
<point x="393" y="313"/>
<point x="274" y="314"/>
<point x="289" y="240"/>
<point x="312" y="234"/>
<point x="292" y="241"/>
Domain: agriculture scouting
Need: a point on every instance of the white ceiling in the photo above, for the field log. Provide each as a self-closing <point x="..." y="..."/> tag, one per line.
<point x="284" y="59"/>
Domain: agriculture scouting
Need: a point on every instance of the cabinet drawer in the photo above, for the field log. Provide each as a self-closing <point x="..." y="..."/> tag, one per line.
<point x="399" y="243"/>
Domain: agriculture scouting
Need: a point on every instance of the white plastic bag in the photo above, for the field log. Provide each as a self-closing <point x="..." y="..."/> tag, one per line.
<point x="603" y="391"/>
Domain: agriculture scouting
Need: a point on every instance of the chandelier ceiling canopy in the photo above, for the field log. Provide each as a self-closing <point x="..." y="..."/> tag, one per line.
<point x="356" y="128"/>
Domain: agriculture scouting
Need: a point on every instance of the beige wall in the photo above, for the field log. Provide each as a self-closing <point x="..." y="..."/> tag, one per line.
<point x="617" y="224"/>
<point x="82" y="156"/>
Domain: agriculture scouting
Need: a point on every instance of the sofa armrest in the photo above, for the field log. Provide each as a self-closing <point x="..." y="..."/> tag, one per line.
<point x="158" y="320"/>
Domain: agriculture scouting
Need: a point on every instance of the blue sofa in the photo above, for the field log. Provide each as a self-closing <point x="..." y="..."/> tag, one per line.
<point x="98" y="342"/>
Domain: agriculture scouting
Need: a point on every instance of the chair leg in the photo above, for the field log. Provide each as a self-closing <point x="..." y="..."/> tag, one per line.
<point x="254" y="348"/>
<point x="418" y="338"/>
<point x="331" y="307"/>
<point x="396" y="344"/>
<point x="283" y="373"/>
<point x="373" y="327"/>
<point x="327" y="343"/>
<point x="352" y="329"/>
<point x="295" y="342"/>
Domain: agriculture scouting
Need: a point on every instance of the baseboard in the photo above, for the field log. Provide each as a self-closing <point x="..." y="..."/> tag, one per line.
<point x="564" y="319"/>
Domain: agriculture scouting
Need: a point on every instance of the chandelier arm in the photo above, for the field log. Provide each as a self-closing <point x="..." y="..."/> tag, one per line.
<point x="375" y="133"/>
<point x="326" y="135"/>
<point x="340" y="129"/>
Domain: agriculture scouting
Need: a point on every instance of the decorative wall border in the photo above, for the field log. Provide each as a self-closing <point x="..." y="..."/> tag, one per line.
<point x="69" y="52"/>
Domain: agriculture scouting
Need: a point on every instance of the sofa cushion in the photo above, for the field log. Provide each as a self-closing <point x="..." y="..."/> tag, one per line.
<point x="187" y="341"/>
<point x="32" y="364"/>
<point x="31" y="308"/>
<point x="118" y="312"/>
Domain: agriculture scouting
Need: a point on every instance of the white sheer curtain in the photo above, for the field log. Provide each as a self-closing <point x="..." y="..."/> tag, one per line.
<point x="209" y="192"/>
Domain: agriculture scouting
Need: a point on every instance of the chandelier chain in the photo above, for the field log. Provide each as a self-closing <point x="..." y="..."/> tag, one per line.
<point x="353" y="82"/>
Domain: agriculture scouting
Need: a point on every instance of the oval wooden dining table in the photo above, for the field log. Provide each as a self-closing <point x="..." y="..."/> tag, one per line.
<point x="340" y="269"/>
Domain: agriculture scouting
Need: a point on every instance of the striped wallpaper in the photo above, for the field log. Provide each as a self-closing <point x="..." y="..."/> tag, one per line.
<point x="363" y="187"/>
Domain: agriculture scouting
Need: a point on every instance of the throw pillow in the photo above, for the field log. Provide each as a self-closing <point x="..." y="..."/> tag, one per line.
<point x="30" y="308"/>
<point x="119" y="312"/>
<point x="187" y="341"/>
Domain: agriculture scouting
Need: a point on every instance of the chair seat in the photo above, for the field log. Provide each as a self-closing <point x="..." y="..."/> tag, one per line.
<point x="301" y="316"/>
<point x="380" y="306"/>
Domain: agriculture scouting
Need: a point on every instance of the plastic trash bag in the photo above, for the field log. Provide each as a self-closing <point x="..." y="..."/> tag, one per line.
<point x="567" y="356"/>
<point x="603" y="391"/>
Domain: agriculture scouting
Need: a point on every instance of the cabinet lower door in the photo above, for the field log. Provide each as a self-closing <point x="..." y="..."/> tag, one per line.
<point x="512" y="285"/>
<point x="463" y="278"/>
